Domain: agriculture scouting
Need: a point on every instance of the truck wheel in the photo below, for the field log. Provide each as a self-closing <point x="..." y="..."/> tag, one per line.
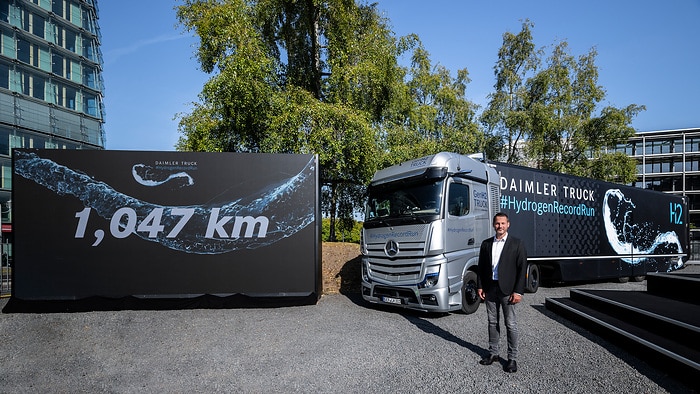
<point x="639" y="278"/>
<point x="470" y="297"/>
<point x="623" y="279"/>
<point x="532" y="280"/>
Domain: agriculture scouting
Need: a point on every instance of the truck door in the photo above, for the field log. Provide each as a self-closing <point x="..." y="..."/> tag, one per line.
<point x="459" y="226"/>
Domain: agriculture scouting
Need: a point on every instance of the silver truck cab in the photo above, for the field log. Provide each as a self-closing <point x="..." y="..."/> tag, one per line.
<point x="424" y="223"/>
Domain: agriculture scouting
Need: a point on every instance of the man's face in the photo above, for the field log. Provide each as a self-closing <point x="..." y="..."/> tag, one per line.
<point x="500" y="224"/>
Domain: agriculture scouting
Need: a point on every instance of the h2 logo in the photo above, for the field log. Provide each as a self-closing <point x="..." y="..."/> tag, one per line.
<point x="676" y="213"/>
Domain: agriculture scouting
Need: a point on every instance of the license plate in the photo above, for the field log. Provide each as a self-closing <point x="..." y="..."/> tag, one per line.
<point x="391" y="300"/>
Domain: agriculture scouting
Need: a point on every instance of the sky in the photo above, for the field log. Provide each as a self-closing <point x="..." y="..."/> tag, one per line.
<point x="648" y="54"/>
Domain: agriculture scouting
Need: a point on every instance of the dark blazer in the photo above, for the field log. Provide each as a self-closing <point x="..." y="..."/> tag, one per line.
<point x="512" y="267"/>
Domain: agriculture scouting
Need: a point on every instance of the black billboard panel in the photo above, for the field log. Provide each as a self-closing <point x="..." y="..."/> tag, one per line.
<point x="165" y="224"/>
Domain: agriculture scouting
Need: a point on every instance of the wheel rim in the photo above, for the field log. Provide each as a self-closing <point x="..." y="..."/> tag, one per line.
<point x="470" y="294"/>
<point x="534" y="279"/>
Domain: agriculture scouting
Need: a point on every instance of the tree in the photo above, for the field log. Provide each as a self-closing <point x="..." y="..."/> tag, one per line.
<point x="547" y="116"/>
<point x="567" y="134"/>
<point x="434" y="114"/>
<point x="303" y="76"/>
<point x="507" y="117"/>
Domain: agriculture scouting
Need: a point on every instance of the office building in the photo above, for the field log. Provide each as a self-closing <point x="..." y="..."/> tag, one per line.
<point x="50" y="83"/>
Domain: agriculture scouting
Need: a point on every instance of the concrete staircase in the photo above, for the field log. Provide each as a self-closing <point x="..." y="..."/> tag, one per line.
<point x="660" y="326"/>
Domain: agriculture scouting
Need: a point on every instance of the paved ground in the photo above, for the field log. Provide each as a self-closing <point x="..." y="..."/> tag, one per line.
<point x="339" y="345"/>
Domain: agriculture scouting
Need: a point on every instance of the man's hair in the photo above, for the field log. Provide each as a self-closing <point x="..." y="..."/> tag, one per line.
<point x="501" y="214"/>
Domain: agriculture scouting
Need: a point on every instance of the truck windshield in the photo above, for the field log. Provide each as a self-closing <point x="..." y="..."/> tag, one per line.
<point x="399" y="200"/>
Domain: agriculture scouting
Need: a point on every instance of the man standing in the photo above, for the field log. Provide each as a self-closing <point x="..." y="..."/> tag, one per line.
<point x="501" y="283"/>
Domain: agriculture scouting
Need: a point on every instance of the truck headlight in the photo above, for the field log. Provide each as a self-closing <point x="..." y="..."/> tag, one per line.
<point x="365" y="275"/>
<point x="432" y="274"/>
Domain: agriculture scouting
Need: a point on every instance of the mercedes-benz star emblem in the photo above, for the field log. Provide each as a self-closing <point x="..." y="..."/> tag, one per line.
<point x="391" y="248"/>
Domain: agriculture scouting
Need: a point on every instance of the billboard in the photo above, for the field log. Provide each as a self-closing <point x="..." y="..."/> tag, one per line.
<point x="165" y="224"/>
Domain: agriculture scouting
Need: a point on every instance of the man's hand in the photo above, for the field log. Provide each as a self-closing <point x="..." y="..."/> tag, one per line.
<point x="514" y="298"/>
<point x="481" y="293"/>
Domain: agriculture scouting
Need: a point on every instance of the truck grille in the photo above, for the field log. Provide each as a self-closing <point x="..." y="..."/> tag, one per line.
<point x="406" y="249"/>
<point x="395" y="270"/>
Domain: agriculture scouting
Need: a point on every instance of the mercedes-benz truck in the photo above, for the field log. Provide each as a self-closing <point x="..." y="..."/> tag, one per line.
<point x="425" y="220"/>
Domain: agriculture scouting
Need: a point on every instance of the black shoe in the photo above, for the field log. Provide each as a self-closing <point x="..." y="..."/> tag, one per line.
<point x="511" y="366"/>
<point x="488" y="360"/>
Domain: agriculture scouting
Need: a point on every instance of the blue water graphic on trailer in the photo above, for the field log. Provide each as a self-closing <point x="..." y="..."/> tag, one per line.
<point x="627" y="237"/>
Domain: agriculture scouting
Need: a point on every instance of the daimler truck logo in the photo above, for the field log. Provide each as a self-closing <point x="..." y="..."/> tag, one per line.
<point x="391" y="248"/>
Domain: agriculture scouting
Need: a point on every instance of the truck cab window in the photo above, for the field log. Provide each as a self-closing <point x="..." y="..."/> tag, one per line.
<point x="458" y="199"/>
<point x="406" y="199"/>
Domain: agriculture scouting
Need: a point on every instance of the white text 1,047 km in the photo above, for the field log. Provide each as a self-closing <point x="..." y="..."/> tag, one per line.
<point x="124" y="222"/>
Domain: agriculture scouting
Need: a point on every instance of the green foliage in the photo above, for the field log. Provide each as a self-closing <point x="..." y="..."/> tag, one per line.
<point x="276" y="89"/>
<point x="507" y="117"/>
<point x="346" y="233"/>
<point x="432" y="115"/>
<point x="546" y="115"/>
<point x="322" y="77"/>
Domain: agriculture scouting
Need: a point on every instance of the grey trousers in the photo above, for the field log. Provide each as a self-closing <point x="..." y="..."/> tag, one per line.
<point x="496" y="301"/>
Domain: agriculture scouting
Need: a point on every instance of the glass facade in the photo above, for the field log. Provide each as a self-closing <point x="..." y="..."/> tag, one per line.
<point x="51" y="83"/>
<point x="669" y="161"/>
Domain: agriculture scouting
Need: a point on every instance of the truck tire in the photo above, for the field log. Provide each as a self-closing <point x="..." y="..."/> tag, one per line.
<point x="639" y="278"/>
<point x="532" y="279"/>
<point x="470" y="297"/>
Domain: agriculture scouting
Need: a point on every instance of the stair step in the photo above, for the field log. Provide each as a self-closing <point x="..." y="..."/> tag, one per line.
<point x="661" y="351"/>
<point x="677" y="285"/>
<point x="662" y="316"/>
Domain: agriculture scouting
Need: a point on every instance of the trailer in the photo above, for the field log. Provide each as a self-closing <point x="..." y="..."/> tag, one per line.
<point x="582" y="229"/>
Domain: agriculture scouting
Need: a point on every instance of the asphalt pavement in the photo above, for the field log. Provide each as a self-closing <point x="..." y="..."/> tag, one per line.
<point x="339" y="345"/>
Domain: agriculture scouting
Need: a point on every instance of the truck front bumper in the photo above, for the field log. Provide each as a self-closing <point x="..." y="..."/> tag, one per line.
<point x="427" y="300"/>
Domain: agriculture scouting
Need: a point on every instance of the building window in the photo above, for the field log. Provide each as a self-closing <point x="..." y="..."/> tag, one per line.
<point x="16" y="141"/>
<point x="678" y="166"/>
<point x="692" y="144"/>
<point x="75" y="14"/>
<point x="4" y="141"/>
<point x="38" y="25"/>
<point x="57" y="7"/>
<point x="6" y="176"/>
<point x="70" y="40"/>
<point x="23" y="51"/>
<point x="4" y="10"/>
<point x="655" y="147"/>
<point x="4" y="76"/>
<point x="76" y="74"/>
<point x="638" y="148"/>
<point x="57" y="64"/>
<point x="90" y="105"/>
<point x="692" y="183"/>
<point x="38" y="87"/>
<point x="89" y="76"/>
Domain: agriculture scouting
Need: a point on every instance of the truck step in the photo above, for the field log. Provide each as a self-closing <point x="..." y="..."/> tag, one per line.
<point x="660" y="331"/>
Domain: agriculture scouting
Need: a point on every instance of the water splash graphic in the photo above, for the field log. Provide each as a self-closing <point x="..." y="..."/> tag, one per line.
<point x="149" y="176"/>
<point x="289" y="206"/>
<point x="627" y="237"/>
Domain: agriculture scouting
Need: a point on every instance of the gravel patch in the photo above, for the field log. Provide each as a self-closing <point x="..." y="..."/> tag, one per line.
<point x="340" y="345"/>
